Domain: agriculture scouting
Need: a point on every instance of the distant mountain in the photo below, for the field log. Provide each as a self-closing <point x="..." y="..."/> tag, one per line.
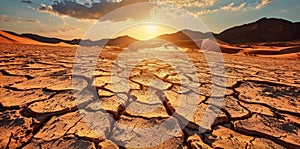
<point x="185" y="35"/>
<point x="122" y="41"/>
<point x="263" y="30"/>
<point x="186" y="38"/>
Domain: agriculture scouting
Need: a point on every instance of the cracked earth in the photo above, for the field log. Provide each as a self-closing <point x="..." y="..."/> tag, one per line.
<point x="41" y="106"/>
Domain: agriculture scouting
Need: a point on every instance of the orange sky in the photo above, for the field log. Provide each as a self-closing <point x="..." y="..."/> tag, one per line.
<point x="72" y="19"/>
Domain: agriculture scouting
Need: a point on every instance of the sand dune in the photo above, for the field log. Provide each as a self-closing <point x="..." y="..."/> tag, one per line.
<point x="286" y="56"/>
<point x="61" y="44"/>
<point x="13" y="39"/>
<point x="5" y="39"/>
<point x="275" y="50"/>
<point x="9" y="38"/>
<point x="287" y="49"/>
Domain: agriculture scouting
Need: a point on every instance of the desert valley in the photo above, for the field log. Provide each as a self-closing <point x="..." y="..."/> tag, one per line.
<point x="261" y="107"/>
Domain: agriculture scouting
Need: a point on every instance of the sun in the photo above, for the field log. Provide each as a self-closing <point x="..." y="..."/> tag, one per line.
<point x="146" y="31"/>
<point x="151" y="28"/>
<point x="149" y="31"/>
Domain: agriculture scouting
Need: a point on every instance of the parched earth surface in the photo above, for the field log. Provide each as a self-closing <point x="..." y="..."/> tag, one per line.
<point x="50" y="99"/>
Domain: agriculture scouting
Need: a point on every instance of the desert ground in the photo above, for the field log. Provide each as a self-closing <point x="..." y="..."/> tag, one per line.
<point x="261" y="107"/>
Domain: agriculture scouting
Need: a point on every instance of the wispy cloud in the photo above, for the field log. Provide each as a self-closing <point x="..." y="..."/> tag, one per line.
<point x="262" y="4"/>
<point x="27" y="1"/>
<point x="62" y="29"/>
<point x="231" y="7"/>
<point x="66" y="27"/>
<point x="187" y="3"/>
<point x="4" y="18"/>
<point x="33" y="21"/>
<point x="206" y="11"/>
<point x="30" y="7"/>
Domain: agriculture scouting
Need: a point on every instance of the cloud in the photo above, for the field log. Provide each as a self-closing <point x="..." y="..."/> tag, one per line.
<point x="30" y="7"/>
<point x="210" y="2"/>
<point x="187" y="3"/>
<point x="94" y="10"/>
<point x="64" y="28"/>
<point x="67" y="28"/>
<point x="33" y="21"/>
<point x="283" y="10"/>
<point x="230" y="7"/>
<point x="262" y="4"/>
<point x="27" y="1"/>
<point x="206" y="11"/>
<point x="4" y="18"/>
<point x="44" y="7"/>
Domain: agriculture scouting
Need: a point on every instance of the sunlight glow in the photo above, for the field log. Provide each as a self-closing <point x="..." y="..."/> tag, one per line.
<point x="150" y="28"/>
<point x="146" y="31"/>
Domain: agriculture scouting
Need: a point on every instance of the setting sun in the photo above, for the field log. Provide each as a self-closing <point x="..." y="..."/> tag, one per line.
<point x="146" y="31"/>
<point x="150" y="28"/>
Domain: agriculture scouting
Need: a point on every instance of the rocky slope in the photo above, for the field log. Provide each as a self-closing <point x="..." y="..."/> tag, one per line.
<point x="263" y="30"/>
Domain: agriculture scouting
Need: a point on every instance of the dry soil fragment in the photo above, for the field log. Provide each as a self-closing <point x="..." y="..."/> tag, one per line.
<point x="15" y="129"/>
<point x="106" y="144"/>
<point x="40" y="82"/>
<point x="58" y="126"/>
<point x="34" y="72"/>
<point x="142" y="133"/>
<point x="61" y="102"/>
<point x="101" y="81"/>
<point x="75" y="83"/>
<point x="223" y="137"/>
<point x="147" y="110"/>
<point x="231" y="105"/>
<point x="206" y="116"/>
<point x="276" y="129"/>
<point x="94" y="125"/>
<point x="257" y="108"/>
<point x="207" y="90"/>
<point x="151" y="81"/>
<point x="190" y="107"/>
<point x="110" y="104"/>
<point x="67" y="142"/>
<point x="8" y="80"/>
<point x="280" y="97"/>
<point x="10" y="98"/>
<point x="195" y="142"/>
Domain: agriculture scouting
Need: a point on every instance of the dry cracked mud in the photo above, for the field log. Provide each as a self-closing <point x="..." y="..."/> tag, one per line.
<point x="149" y="103"/>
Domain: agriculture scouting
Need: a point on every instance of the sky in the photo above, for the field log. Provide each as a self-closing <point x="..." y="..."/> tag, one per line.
<point x="98" y="19"/>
